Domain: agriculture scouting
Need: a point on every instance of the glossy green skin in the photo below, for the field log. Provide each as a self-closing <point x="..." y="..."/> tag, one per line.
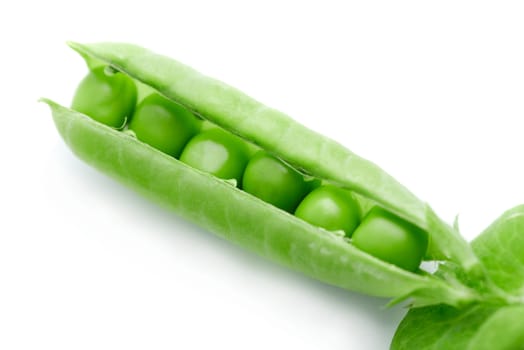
<point x="277" y="133"/>
<point x="163" y="124"/>
<point x="391" y="239"/>
<point x="331" y="208"/>
<point x="107" y="98"/>
<point x="269" y="179"/>
<point x="217" y="152"/>
<point x="241" y="218"/>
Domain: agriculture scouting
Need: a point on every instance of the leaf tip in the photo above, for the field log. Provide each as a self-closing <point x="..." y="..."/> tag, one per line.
<point x="72" y="44"/>
<point x="456" y="223"/>
<point x="47" y="101"/>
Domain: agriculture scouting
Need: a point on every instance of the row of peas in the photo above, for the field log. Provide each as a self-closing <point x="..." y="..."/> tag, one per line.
<point x="110" y="97"/>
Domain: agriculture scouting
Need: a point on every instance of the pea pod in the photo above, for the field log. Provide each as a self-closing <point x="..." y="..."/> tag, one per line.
<point x="279" y="134"/>
<point x="242" y="218"/>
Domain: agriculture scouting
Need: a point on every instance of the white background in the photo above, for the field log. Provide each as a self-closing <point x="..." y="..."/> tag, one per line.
<point x="431" y="91"/>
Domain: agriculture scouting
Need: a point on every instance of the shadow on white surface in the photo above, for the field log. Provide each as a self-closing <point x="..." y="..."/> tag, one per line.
<point x="141" y="245"/>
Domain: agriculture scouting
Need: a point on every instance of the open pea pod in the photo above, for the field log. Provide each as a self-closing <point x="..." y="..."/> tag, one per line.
<point x="242" y="218"/>
<point x="496" y="321"/>
<point x="279" y="134"/>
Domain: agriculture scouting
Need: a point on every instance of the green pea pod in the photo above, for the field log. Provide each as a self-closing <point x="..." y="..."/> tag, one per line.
<point x="279" y="134"/>
<point x="244" y="219"/>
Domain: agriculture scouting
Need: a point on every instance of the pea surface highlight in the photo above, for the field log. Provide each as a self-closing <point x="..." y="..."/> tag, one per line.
<point x="163" y="124"/>
<point x="217" y="152"/>
<point x="389" y="238"/>
<point x="331" y="208"/>
<point x="108" y="98"/>
<point x="271" y="180"/>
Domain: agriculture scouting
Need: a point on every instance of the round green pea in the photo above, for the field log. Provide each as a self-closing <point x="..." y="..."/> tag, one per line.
<point x="107" y="97"/>
<point x="163" y="124"/>
<point x="273" y="181"/>
<point x="392" y="239"/>
<point x="331" y="208"/>
<point x="217" y="152"/>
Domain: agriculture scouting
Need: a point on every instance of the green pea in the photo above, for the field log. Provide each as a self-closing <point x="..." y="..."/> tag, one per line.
<point x="271" y="180"/>
<point x="108" y="98"/>
<point x="163" y="124"/>
<point x="389" y="238"/>
<point x="332" y="208"/>
<point x="217" y="152"/>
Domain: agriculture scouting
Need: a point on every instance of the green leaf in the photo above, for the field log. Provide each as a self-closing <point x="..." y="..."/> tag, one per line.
<point x="495" y="323"/>
<point x="474" y="328"/>
<point x="501" y="250"/>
